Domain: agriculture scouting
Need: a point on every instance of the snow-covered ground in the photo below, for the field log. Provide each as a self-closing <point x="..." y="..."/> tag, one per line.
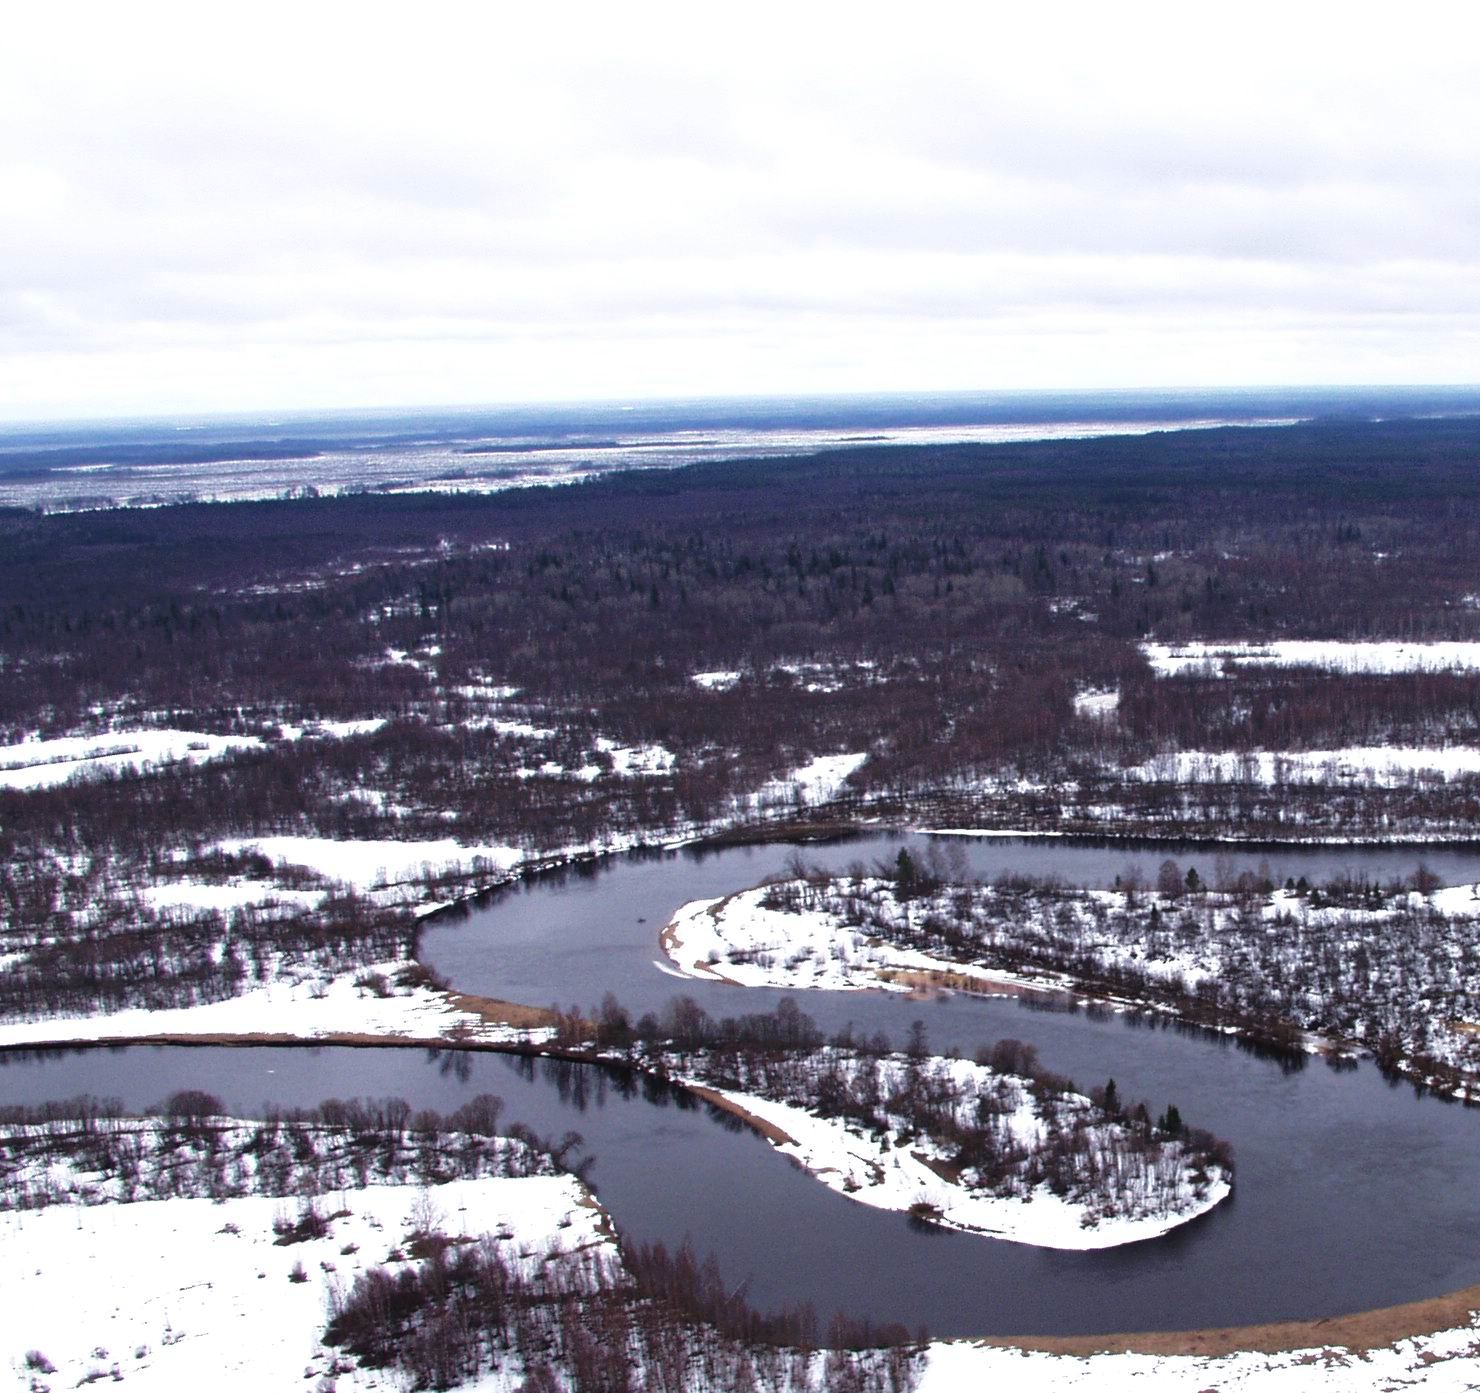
<point x="195" y="1293"/>
<point x="736" y="939"/>
<point x="1381" y="765"/>
<point x="1446" y="1362"/>
<point x="1097" y="704"/>
<point x="815" y="782"/>
<point x="1169" y="659"/>
<point x="720" y="680"/>
<point x="332" y="730"/>
<point x="1361" y="967"/>
<point x="302" y="1003"/>
<point x="190" y="1294"/>
<point x="36" y="764"/>
<point x="900" y="1178"/>
<point x="371" y="866"/>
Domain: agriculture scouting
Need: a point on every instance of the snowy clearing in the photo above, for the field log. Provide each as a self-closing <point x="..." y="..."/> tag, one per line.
<point x="37" y="764"/>
<point x="332" y="730"/>
<point x="1170" y="659"/>
<point x="378" y="865"/>
<point x="1374" y="764"/>
<point x="814" y="782"/>
<point x="195" y="1293"/>
<point x="1097" y="704"/>
<point x="719" y="681"/>
<point x="302" y="1004"/>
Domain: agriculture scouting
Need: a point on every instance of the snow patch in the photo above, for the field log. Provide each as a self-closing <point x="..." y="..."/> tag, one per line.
<point x="1098" y="703"/>
<point x="34" y="764"/>
<point x="1170" y="659"/>
<point x="196" y="1293"/>
<point x="1364" y="764"/>
<point x="719" y="681"/>
<point x="376" y="865"/>
<point x="302" y="1003"/>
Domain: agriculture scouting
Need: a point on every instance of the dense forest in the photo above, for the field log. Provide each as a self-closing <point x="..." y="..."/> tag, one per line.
<point x="657" y="654"/>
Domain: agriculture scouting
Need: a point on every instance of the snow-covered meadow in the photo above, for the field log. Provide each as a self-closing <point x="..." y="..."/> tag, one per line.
<point x="387" y="1001"/>
<point x="37" y="763"/>
<point x="1365" y="656"/>
<point x="193" y="1293"/>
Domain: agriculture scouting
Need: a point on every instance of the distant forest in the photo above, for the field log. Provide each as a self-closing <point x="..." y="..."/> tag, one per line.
<point x="938" y="608"/>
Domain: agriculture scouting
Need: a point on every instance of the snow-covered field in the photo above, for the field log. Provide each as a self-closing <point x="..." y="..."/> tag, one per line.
<point x="302" y="1004"/>
<point x="194" y="1293"/>
<point x="371" y="866"/>
<point x="1380" y="765"/>
<point x="46" y="763"/>
<point x="37" y="763"/>
<point x="1169" y="659"/>
<point x="817" y="781"/>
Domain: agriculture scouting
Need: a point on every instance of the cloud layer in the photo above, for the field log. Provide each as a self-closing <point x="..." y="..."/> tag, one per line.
<point x="339" y="205"/>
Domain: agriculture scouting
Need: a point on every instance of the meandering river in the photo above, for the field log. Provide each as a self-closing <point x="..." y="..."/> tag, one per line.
<point x="1352" y="1192"/>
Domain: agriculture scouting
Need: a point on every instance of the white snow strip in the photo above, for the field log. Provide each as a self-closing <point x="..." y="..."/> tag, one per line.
<point x="719" y="681"/>
<point x="1441" y="1363"/>
<point x="46" y="763"/>
<point x="195" y="1293"/>
<point x="523" y="729"/>
<point x="1372" y="764"/>
<point x="371" y="865"/>
<point x="222" y="898"/>
<point x="1169" y="659"/>
<point x="303" y="1003"/>
<point x="332" y="730"/>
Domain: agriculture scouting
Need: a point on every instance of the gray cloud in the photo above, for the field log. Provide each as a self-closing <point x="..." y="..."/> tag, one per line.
<point x="341" y="205"/>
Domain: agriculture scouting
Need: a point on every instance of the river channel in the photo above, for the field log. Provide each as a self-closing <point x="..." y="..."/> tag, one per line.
<point x="1351" y="1193"/>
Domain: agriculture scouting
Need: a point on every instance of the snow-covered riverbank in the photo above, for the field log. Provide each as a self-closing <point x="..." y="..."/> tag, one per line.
<point x="195" y="1293"/>
<point x="1350" y="965"/>
<point x="914" y="1178"/>
<point x="389" y="1001"/>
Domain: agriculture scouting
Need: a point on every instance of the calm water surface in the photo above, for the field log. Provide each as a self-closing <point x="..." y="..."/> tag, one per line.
<point x="1351" y="1193"/>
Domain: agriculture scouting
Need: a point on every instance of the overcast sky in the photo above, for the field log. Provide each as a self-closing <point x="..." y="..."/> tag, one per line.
<point x="209" y="207"/>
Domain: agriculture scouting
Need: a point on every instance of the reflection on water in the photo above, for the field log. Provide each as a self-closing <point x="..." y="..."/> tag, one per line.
<point x="1351" y="1193"/>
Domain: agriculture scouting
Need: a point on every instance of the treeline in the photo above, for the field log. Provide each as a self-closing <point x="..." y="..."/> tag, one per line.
<point x="83" y="940"/>
<point x="951" y="603"/>
<point x="986" y="585"/>
<point x="653" y="1321"/>
<point x="1005" y="1126"/>
<point x="1272" y="708"/>
<point x="87" y="1151"/>
<point x="1381" y="966"/>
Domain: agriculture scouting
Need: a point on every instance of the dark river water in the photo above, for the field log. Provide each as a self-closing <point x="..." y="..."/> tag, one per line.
<point x="1351" y="1192"/>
